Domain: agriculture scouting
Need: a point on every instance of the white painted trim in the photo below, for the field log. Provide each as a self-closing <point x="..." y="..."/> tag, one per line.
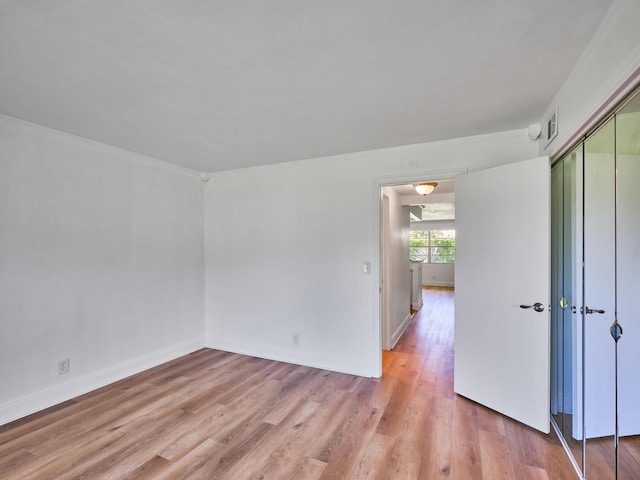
<point x="426" y="175"/>
<point x="376" y="286"/>
<point x="292" y="355"/>
<point x="439" y="284"/>
<point x="418" y="305"/>
<point x="34" y="402"/>
<point x="395" y="336"/>
<point x="376" y="295"/>
<point x="385" y="292"/>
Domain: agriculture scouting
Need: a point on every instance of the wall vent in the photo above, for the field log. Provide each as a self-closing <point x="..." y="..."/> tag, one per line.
<point x="552" y="126"/>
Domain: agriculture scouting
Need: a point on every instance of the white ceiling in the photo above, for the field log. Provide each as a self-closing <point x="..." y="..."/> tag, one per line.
<point x="214" y="85"/>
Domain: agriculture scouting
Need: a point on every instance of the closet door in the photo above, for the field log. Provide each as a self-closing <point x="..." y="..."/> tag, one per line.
<point x="566" y="277"/>
<point x="599" y="240"/>
<point x="611" y="295"/>
<point x="628" y="289"/>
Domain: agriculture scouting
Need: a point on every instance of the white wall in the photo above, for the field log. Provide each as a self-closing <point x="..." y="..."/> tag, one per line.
<point x="101" y="262"/>
<point x="398" y="275"/>
<point x="322" y="224"/>
<point x="438" y="274"/>
<point x="601" y="75"/>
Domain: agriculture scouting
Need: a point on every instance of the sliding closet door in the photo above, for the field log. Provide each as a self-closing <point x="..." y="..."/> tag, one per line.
<point x="566" y="276"/>
<point x="612" y="296"/>
<point x="628" y="289"/>
<point x="599" y="240"/>
<point x="595" y="321"/>
<point x="557" y="259"/>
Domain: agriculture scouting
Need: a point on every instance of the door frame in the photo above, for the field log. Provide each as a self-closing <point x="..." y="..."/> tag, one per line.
<point x="427" y="175"/>
<point x="384" y="269"/>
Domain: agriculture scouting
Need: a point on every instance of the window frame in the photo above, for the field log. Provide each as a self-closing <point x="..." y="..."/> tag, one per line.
<point x="430" y="247"/>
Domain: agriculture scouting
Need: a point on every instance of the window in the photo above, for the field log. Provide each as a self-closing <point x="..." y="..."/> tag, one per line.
<point x="433" y="246"/>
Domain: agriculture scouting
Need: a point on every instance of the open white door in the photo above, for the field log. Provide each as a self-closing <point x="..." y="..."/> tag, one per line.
<point x="502" y="262"/>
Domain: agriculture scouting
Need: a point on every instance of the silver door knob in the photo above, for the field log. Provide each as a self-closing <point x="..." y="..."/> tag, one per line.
<point x="538" y="307"/>
<point x="590" y="311"/>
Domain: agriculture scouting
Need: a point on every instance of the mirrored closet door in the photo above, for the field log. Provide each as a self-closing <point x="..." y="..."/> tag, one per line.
<point x="598" y="311"/>
<point x="595" y="391"/>
<point x="566" y="337"/>
<point x="627" y="348"/>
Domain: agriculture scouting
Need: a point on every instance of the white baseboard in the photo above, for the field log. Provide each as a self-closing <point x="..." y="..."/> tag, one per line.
<point x="296" y="356"/>
<point x="417" y="305"/>
<point x="395" y="336"/>
<point x="439" y="284"/>
<point x="36" y="401"/>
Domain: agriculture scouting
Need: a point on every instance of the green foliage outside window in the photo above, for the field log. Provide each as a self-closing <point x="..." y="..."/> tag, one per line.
<point x="433" y="246"/>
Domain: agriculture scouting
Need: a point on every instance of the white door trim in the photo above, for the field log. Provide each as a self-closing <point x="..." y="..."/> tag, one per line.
<point x="376" y="269"/>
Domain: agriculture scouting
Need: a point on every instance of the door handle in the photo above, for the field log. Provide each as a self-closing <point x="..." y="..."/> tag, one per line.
<point x="538" y="307"/>
<point x="591" y="310"/>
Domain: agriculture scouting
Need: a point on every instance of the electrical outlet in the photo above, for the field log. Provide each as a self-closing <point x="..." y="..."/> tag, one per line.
<point x="63" y="366"/>
<point x="296" y="339"/>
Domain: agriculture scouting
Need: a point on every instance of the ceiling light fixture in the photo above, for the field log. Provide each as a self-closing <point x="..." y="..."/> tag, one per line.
<point x="425" y="188"/>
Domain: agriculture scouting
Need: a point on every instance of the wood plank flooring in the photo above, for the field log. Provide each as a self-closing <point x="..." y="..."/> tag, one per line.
<point x="217" y="415"/>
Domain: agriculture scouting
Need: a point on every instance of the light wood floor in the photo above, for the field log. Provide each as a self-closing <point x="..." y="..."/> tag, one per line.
<point x="213" y="415"/>
<point x="601" y="453"/>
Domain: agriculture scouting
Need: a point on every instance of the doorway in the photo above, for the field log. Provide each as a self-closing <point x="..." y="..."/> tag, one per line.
<point x="417" y="241"/>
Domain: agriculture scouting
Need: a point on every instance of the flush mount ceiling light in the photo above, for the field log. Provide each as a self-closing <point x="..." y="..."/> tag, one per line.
<point x="425" y="188"/>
